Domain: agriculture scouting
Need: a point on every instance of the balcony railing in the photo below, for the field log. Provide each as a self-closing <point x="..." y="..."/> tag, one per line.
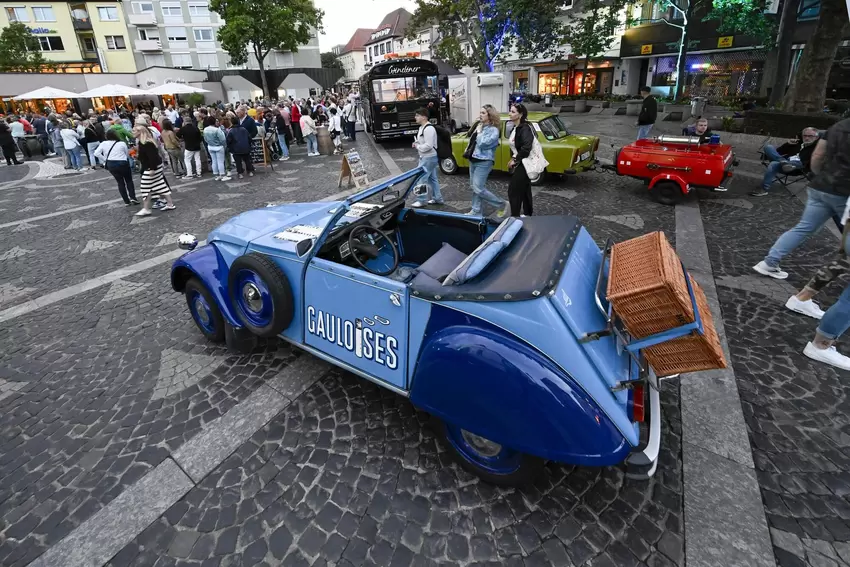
<point x="82" y="23"/>
<point x="148" y="45"/>
<point x="141" y="19"/>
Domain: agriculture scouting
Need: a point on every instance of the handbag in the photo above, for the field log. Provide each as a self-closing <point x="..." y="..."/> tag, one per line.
<point x="470" y="147"/>
<point x="535" y="163"/>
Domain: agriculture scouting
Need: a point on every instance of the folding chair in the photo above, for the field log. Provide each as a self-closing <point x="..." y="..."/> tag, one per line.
<point x="785" y="178"/>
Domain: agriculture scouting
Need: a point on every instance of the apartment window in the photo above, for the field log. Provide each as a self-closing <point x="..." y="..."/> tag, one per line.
<point x="143" y="7"/>
<point x="181" y="60"/>
<point x="17" y="14"/>
<point x="145" y="33"/>
<point x="154" y="60"/>
<point x="203" y="34"/>
<point x="89" y="44"/>
<point x="115" y="42"/>
<point x="107" y="13"/>
<point x="208" y="60"/>
<point x="808" y="10"/>
<point x="389" y="45"/>
<point x="199" y="10"/>
<point x="382" y="49"/>
<point x="51" y="43"/>
<point x="172" y="12"/>
<point x="43" y="14"/>
<point x="176" y="34"/>
<point x="370" y="51"/>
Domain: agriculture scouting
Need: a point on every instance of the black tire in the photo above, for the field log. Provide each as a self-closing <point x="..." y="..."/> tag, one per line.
<point x="449" y="165"/>
<point x="214" y="329"/>
<point x="527" y="470"/>
<point x="667" y="192"/>
<point x="272" y="319"/>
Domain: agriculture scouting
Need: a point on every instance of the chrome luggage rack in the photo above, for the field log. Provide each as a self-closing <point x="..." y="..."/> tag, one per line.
<point x="614" y="325"/>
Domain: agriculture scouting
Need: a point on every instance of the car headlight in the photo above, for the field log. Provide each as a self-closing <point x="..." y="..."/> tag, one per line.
<point x="386" y="125"/>
<point x="187" y="241"/>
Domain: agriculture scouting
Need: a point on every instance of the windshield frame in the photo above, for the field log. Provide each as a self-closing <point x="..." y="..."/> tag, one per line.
<point x="543" y="123"/>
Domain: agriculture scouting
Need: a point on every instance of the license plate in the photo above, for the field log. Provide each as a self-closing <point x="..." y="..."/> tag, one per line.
<point x="584" y="156"/>
<point x="410" y="131"/>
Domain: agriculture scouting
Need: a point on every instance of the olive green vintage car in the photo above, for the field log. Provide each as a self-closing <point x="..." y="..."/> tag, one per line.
<point x="566" y="153"/>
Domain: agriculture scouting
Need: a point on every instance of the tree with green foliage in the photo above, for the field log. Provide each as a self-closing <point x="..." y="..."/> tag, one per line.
<point x="808" y="91"/>
<point x="20" y="51"/>
<point x="490" y="29"/>
<point x="682" y="11"/>
<point x="330" y="61"/>
<point x="263" y="25"/>
<point x="591" y="29"/>
<point x="744" y="17"/>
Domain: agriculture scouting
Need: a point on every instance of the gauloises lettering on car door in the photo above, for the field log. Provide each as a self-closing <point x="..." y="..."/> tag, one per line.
<point x="361" y="336"/>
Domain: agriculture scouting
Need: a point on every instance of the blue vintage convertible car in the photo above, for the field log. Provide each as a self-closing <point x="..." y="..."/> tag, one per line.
<point x="497" y="330"/>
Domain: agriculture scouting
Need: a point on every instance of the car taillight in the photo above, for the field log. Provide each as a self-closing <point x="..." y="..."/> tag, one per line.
<point x="638" y="412"/>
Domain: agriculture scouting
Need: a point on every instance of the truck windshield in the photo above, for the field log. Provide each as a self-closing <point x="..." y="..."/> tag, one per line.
<point x="553" y="128"/>
<point x="398" y="89"/>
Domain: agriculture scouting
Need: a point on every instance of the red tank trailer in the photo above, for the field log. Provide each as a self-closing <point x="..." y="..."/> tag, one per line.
<point x="673" y="166"/>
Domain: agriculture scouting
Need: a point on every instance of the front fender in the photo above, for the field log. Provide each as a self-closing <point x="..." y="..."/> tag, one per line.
<point x="487" y="381"/>
<point x="206" y="264"/>
<point x="677" y="179"/>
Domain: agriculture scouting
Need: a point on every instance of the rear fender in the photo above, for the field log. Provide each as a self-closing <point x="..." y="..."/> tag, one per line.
<point x="677" y="179"/>
<point x="481" y="378"/>
<point x="206" y="264"/>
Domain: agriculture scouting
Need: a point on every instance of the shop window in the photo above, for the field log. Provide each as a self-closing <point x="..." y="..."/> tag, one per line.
<point x="43" y="14"/>
<point x="107" y="13"/>
<point x="51" y="43"/>
<point x="17" y="14"/>
<point x="808" y="10"/>
<point x="549" y="83"/>
<point x="115" y="42"/>
<point x="520" y="81"/>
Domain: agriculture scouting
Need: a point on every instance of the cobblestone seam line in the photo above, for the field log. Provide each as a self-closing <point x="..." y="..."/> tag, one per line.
<point x="724" y="515"/>
<point x="385" y="157"/>
<point x="103" y="535"/>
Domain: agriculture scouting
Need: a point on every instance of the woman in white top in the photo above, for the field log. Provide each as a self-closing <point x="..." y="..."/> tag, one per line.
<point x="308" y="130"/>
<point x="116" y="156"/>
<point x="335" y="129"/>
<point x="71" y="142"/>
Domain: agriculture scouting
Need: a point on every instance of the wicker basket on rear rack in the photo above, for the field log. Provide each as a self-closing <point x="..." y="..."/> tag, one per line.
<point x="649" y="294"/>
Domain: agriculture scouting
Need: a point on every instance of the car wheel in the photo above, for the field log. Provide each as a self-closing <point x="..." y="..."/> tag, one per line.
<point x="667" y="193"/>
<point x="488" y="460"/>
<point x="260" y="294"/>
<point x="448" y="165"/>
<point x="204" y="310"/>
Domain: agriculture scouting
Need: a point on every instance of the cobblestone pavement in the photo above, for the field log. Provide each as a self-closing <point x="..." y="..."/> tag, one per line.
<point x="103" y="386"/>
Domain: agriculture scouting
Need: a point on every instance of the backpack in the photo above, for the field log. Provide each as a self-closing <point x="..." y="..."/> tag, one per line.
<point x="444" y="142"/>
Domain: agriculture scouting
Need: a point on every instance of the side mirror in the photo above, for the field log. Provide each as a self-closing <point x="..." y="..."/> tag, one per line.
<point x="389" y="196"/>
<point x="420" y="190"/>
<point x="187" y="241"/>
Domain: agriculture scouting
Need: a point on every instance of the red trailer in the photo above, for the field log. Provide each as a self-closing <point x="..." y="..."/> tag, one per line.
<point x="673" y="166"/>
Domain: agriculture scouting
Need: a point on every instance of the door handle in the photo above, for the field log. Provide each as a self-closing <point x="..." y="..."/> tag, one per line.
<point x="395" y="299"/>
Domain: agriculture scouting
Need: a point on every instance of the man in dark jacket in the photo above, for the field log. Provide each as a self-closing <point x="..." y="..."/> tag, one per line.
<point x="191" y="137"/>
<point x="648" y="113"/>
<point x="789" y="157"/>
<point x="239" y="144"/>
<point x="246" y="122"/>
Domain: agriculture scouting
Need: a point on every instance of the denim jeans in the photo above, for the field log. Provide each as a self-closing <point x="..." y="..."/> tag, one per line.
<point x="91" y="147"/>
<point x="836" y="320"/>
<point x="478" y="172"/>
<point x="643" y="131"/>
<point x="284" y="149"/>
<point x="771" y="153"/>
<point x="76" y="157"/>
<point x="217" y="155"/>
<point x="773" y="169"/>
<point x="430" y="177"/>
<point x="820" y="207"/>
<point x="312" y="144"/>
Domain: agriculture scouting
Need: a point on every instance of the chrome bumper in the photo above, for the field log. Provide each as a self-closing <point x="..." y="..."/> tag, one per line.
<point x="641" y="464"/>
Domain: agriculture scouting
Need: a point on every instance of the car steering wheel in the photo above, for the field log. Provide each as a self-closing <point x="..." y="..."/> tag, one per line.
<point x="370" y="249"/>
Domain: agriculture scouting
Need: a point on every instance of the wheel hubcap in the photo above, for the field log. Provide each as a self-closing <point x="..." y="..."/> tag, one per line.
<point x="201" y="310"/>
<point x="448" y="165"/>
<point x="482" y="446"/>
<point x="252" y="297"/>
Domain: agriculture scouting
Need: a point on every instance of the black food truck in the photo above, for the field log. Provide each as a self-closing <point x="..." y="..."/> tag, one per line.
<point x="391" y="92"/>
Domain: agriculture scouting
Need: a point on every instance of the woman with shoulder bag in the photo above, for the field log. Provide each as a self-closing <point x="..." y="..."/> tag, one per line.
<point x="481" y="153"/>
<point x="116" y="157"/>
<point x="521" y="142"/>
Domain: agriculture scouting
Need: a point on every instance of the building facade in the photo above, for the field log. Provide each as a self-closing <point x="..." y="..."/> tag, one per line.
<point x="183" y="34"/>
<point x="77" y="37"/>
<point x="388" y="38"/>
<point x="353" y="57"/>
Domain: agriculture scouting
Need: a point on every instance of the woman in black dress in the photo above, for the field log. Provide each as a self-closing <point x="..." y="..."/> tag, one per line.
<point x="521" y="142"/>
<point x="7" y="142"/>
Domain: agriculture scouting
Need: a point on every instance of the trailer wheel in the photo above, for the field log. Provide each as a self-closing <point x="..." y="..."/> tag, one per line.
<point x="667" y="192"/>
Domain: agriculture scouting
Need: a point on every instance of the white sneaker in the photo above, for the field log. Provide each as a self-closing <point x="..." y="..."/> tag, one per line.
<point x="217" y="178"/>
<point x="808" y="307"/>
<point x="284" y="158"/>
<point x="766" y="270"/>
<point x="226" y="178"/>
<point x="416" y="204"/>
<point x="143" y="213"/>
<point x="827" y="356"/>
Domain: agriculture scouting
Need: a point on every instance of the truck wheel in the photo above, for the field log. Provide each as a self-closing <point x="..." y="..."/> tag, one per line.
<point x="667" y="192"/>
<point x="488" y="460"/>
<point x="448" y="165"/>
<point x="260" y="294"/>
<point x="204" y="310"/>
